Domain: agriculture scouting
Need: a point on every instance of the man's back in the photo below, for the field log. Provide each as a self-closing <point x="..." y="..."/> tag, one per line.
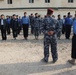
<point x="49" y="24"/>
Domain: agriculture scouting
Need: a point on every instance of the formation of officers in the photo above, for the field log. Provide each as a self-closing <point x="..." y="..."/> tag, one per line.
<point x="52" y="29"/>
<point x="16" y="24"/>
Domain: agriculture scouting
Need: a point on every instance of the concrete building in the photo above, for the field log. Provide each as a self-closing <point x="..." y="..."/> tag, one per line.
<point x="8" y="7"/>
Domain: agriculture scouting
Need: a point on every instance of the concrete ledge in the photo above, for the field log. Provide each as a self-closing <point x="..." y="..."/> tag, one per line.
<point x="56" y="8"/>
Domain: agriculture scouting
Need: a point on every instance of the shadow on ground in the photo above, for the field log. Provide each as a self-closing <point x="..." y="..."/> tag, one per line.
<point x="31" y="68"/>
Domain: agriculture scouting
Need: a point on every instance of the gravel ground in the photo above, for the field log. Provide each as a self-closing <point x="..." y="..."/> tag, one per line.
<point x="21" y="57"/>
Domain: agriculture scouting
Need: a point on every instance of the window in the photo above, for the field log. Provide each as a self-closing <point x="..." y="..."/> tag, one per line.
<point x="9" y="1"/>
<point x="70" y="1"/>
<point x="31" y="1"/>
<point x="47" y="1"/>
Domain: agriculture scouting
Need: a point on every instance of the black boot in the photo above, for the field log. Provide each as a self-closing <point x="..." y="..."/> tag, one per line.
<point x="55" y="60"/>
<point x="46" y="59"/>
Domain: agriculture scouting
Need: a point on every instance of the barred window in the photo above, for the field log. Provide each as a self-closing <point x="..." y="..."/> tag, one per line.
<point x="9" y="1"/>
<point x="47" y="1"/>
<point x="31" y="1"/>
<point x="70" y="1"/>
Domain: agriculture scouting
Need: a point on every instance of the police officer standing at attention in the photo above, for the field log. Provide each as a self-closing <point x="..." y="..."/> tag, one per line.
<point x="32" y="23"/>
<point x="8" y="24"/>
<point x="25" y="24"/>
<point x="60" y="26"/>
<point x="50" y="28"/>
<point x="68" y="25"/>
<point x="20" y="25"/>
<point x="3" y="27"/>
<point x="14" y="24"/>
<point x="36" y="26"/>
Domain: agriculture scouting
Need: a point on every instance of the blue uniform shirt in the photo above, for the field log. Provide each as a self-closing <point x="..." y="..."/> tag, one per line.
<point x="36" y="22"/>
<point x="74" y="26"/>
<point x="68" y="21"/>
<point x="20" y="21"/>
<point x="8" y="20"/>
<point x="25" y="20"/>
<point x="60" y="23"/>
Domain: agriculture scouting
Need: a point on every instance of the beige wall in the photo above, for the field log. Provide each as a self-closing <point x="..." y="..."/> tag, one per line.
<point x="25" y="3"/>
<point x="41" y="12"/>
<point x="64" y="3"/>
<point x="37" y="3"/>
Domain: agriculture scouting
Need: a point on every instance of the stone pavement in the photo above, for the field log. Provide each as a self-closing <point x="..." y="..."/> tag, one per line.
<point x="21" y="57"/>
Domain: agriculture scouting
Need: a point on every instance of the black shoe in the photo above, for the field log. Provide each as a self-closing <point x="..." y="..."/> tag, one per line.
<point x="58" y="38"/>
<point x="15" y="38"/>
<point x="4" y="39"/>
<point x="36" y="38"/>
<point x="25" y="38"/>
<point x="46" y="59"/>
<point x="72" y="62"/>
<point x="54" y="61"/>
<point x="67" y="38"/>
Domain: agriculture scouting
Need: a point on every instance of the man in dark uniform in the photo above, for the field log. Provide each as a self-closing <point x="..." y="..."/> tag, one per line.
<point x="63" y="27"/>
<point x="73" y="50"/>
<point x="60" y="26"/>
<point x="3" y="27"/>
<point x="50" y="28"/>
<point x="8" y="24"/>
<point x="20" y="24"/>
<point x="14" y="23"/>
<point x="32" y="23"/>
<point x="40" y="22"/>
<point x="36" y="26"/>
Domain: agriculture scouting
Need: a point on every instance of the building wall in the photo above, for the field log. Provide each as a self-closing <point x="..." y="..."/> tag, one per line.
<point x="25" y="3"/>
<point x="40" y="11"/>
<point x="38" y="6"/>
<point x="37" y="3"/>
<point x="64" y="3"/>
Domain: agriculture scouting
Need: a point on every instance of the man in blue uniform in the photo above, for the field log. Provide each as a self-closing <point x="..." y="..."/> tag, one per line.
<point x="73" y="51"/>
<point x="50" y="28"/>
<point x="68" y="25"/>
<point x="36" y="26"/>
<point x="60" y="26"/>
<point x="25" y="24"/>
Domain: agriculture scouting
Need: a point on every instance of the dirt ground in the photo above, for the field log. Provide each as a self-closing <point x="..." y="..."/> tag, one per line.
<point x="21" y="57"/>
